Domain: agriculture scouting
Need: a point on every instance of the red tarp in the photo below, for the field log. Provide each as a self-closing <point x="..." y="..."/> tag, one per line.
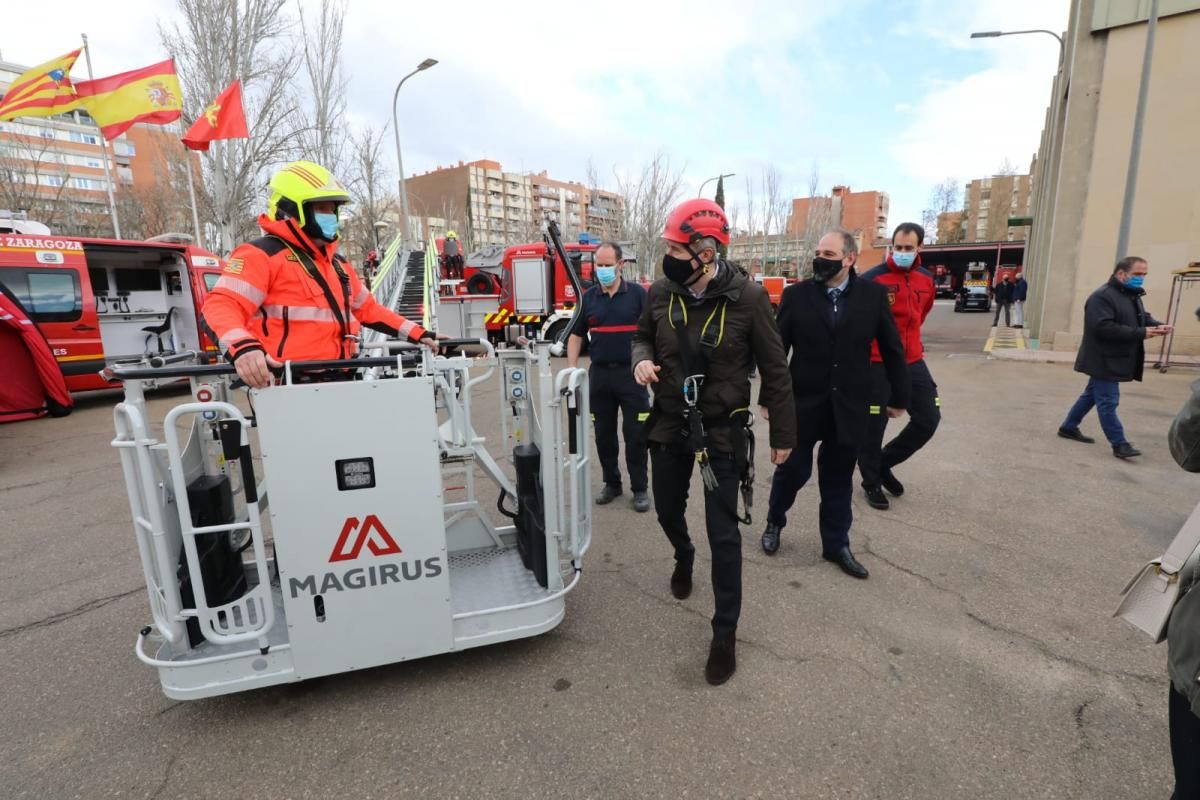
<point x="31" y="383"/>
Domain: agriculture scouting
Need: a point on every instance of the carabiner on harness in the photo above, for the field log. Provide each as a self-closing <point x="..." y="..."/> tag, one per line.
<point x="696" y="436"/>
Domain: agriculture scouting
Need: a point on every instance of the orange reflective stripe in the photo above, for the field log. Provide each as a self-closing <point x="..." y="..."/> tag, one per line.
<point x="407" y="328"/>
<point x="241" y="288"/>
<point x="235" y="335"/>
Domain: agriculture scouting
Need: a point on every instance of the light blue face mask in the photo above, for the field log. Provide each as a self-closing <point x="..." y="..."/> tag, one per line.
<point x="328" y="223"/>
<point x="606" y="275"/>
<point x="904" y="260"/>
<point x="1135" y="281"/>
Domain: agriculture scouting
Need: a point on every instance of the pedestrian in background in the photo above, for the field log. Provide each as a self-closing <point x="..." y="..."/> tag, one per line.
<point x="608" y="316"/>
<point x="1004" y="298"/>
<point x="1020" y="294"/>
<point x="1115" y="328"/>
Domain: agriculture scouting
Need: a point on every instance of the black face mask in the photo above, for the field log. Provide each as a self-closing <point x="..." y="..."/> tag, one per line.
<point x="825" y="268"/>
<point x="681" y="270"/>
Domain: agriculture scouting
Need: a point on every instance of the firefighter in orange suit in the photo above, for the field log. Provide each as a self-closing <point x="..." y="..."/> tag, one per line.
<point x="288" y="295"/>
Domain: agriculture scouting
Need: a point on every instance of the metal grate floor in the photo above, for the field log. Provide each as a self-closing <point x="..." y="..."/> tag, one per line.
<point x="492" y="578"/>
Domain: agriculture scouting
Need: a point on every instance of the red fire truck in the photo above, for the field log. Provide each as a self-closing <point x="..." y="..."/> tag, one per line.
<point x="100" y="301"/>
<point x="524" y="285"/>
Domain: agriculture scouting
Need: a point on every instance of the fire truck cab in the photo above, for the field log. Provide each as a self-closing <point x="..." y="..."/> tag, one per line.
<point x="104" y="301"/>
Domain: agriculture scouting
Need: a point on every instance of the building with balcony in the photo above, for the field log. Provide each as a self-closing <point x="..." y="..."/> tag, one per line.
<point x="488" y="206"/>
<point x="864" y="214"/>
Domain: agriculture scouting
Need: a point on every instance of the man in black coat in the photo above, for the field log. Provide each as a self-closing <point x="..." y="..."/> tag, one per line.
<point x="1115" y="328"/>
<point x="1004" y="299"/>
<point x="828" y="324"/>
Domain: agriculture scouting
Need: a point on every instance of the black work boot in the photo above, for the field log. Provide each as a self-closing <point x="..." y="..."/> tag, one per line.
<point x="722" y="661"/>
<point x="608" y="494"/>
<point x="894" y="487"/>
<point x="1075" y="435"/>
<point x="641" y="502"/>
<point x="1125" y="450"/>
<point x="876" y="498"/>
<point x="770" y="539"/>
<point x="681" y="579"/>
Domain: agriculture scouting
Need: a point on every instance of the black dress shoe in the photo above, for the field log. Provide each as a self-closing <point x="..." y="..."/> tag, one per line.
<point x="722" y="661"/>
<point x="608" y="494"/>
<point x="1075" y="436"/>
<point x="1125" y="450"/>
<point x="889" y="482"/>
<point x="770" y="539"/>
<point x="681" y="580"/>
<point x="876" y="498"/>
<point x="641" y="502"/>
<point x="845" y="559"/>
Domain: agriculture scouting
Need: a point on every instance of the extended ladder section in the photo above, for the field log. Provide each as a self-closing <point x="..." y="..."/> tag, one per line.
<point x="407" y="284"/>
<point x="393" y="532"/>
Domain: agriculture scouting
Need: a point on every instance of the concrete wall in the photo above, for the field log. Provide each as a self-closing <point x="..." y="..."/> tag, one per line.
<point x="1095" y="142"/>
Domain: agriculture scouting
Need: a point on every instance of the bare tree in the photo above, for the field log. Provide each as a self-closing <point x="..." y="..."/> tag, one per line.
<point x="776" y="203"/>
<point x="1007" y="167"/>
<point x="752" y="223"/>
<point x="368" y="178"/>
<point x="648" y="196"/>
<point x="325" y="141"/>
<point x="818" y="219"/>
<point x="213" y="43"/>
<point x="34" y="178"/>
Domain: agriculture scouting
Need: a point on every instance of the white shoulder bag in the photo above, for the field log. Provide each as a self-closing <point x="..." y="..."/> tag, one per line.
<point x="1147" y="601"/>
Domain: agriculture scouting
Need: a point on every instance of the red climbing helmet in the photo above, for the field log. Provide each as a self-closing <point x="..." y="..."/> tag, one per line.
<point x="696" y="219"/>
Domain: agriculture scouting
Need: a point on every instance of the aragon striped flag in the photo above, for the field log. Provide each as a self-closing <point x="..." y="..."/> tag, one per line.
<point x="150" y="94"/>
<point x="43" y="91"/>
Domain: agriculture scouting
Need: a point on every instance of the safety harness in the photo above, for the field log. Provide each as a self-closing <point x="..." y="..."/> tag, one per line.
<point x="695" y="364"/>
<point x="342" y="313"/>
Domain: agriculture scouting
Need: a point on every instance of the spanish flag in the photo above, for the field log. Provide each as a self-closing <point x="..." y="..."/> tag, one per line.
<point x="150" y="94"/>
<point x="43" y="91"/>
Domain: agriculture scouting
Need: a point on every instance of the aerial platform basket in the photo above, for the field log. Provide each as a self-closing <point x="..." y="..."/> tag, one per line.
<point x="353" y="523"/>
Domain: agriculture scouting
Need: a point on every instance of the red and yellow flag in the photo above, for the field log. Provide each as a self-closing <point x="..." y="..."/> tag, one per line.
<point x="43" y="91"/>
<point x="150" y="94"/>
<point x="224" y="118"/>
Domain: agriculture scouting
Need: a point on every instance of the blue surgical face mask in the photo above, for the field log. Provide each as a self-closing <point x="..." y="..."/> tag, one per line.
<point x="1135" y="281"/>
<point x="328" y="223"/>
<point x="606" y="275"/>
<point x="904" y="260"/>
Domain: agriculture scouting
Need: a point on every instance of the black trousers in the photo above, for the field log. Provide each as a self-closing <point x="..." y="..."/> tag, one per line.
<point x="1007" y="311"/>
<point x="612" y="389"/>
<point x="835" y="479"/>
<point x="1185" y="747"/>
<point x="924" y="415"/>
<point x="673" y="465"/>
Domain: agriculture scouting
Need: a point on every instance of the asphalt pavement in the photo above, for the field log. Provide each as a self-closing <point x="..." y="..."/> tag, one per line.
<point x="979" y="660"/>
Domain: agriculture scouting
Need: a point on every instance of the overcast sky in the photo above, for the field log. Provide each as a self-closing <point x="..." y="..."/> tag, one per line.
<point x="877" y="94"/>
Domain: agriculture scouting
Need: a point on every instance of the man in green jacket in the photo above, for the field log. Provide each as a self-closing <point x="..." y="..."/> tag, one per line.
<point x="1183" y="630"/>
<point x="704" y="327"/>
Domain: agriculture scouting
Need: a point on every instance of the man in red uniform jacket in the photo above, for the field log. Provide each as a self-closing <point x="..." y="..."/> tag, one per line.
<point x="910" y="292"/>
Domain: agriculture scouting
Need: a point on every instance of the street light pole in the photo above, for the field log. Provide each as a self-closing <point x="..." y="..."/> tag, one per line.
<point x="995" y="34"/>
<point x="713" y="178"/>
<point x="1135" y="147"/>
<point x="424" y="65"/>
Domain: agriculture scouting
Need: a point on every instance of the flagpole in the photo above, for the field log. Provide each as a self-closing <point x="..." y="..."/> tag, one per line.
<point x="192" y="195"/>
<point x="112" y="201"/>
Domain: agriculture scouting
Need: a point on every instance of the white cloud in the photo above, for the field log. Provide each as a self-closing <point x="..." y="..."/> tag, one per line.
<point x="965" y="126"/>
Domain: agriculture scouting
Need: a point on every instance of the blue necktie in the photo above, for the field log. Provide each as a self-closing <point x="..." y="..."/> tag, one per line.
<point x="834" y="294"/>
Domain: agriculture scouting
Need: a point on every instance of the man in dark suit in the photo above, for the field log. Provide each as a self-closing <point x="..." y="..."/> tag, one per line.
<point x="828" y="324"/>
